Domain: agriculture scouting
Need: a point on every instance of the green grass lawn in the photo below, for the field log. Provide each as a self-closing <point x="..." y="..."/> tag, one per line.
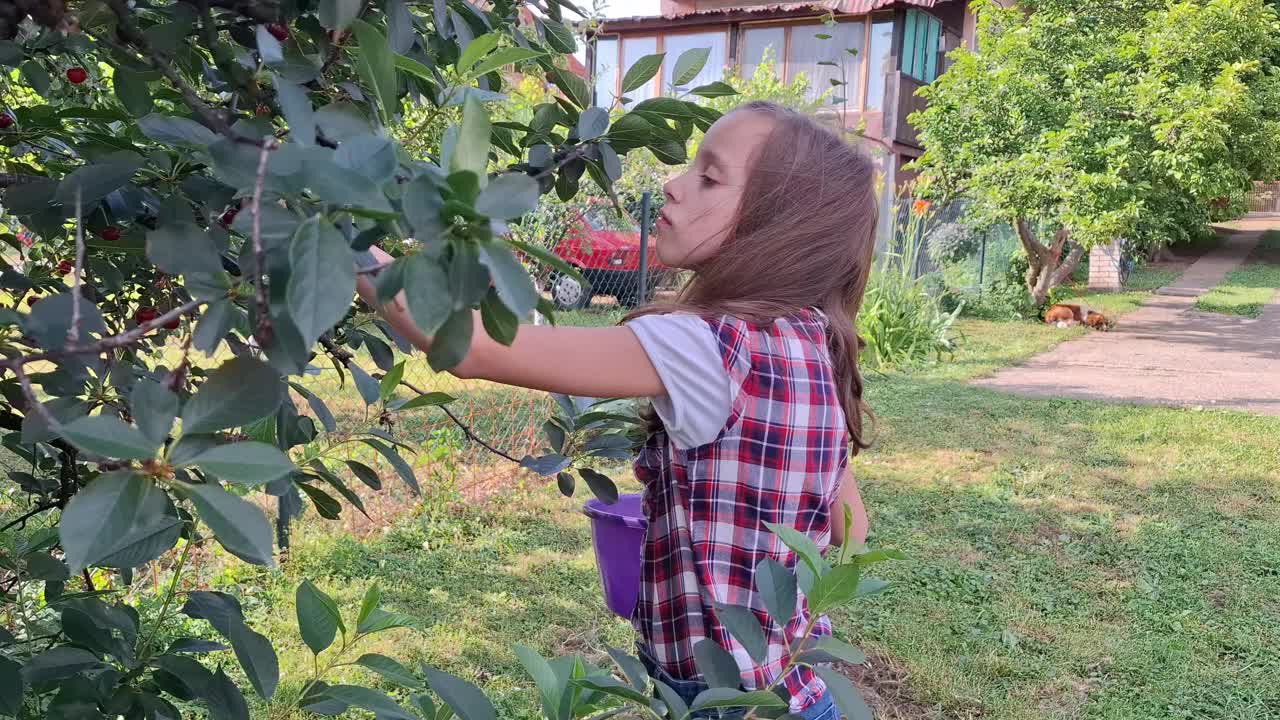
<point x="1248" y="288"/>
<point x="1068" y="560"/>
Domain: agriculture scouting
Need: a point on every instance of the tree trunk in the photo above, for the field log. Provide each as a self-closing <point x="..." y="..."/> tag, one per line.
<point x="1046" y="268"/>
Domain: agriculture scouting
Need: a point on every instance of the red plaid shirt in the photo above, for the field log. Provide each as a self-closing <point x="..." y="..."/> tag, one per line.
<point x="779" y="459"/>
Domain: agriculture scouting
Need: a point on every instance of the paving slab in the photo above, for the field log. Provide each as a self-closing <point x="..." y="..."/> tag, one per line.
<point x="1168" y="353"/>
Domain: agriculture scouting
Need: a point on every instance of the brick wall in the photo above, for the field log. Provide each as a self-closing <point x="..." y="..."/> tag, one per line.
<point x="1104" y="267"/>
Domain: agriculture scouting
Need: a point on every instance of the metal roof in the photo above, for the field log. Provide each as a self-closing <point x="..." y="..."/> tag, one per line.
<point x="848" y="7"/>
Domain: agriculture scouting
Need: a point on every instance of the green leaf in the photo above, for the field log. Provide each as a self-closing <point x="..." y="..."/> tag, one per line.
<point x="426" y="290"/>
<point x="504" y="57"/>
<point x="602" y="486"/>
<point x="58" y="663"/>
<point x="616" y="688"/>
<point x="452" y="341"/>
<point x="689" y="65"/>
<point x="372" y="599"/>
<point x="318" y="617"/>
<point x="431" y="399"/>
<point x="641" y="72"/>
<point x="559" y="37"/>
<point x="368" y="387"/>
<point x="245" y="463"/>
<point x="109" y="437"/>
<point x="217" y="321"/>
<point x="592" y="123"/>
<point x="511" y="280"/>
<point x="11" y="687"/>
<point x="475" y="50"/>
<point x="257" y="658"/>
<point x="37" y="77"/>
<point x="676" y="704"/>
<point x="366" y="474"/>
<point x="322" y="412"/>
<point x="466" y="699"/>
<point x="373" y="156"/>
<point x="499" y="322"/>
<point x="742" y="623"/>
<point x="574" y="88"/>
<point x="472" y="149"/>
<point x="322" y="278"/>
<point x="338" y="14"/>
<point x="326" y="505"/>
<point x="550" y="688"/>
<point x="240" y="391"/>
<point x="846" y="696"/>
<point x="422" y="203"/>
<point x="414" y="68"/>
<point x="731" y="698"/>
<point x="828" y="649"/>
<point x="337" y="484"/>
<point x="714" y="90"/>
<point x="169" y="130"/>
<point x="390" y="670"/>
<point x="835" y="588"/>
<point x="716" y="664"/>
<point x="391" y="380"/>
<point x="182" y="248"/>
<point x="391" y="456"/>
<point x="802" y="545"/>
<point x="297" y="110"/>
<point x="610" y="161"/>
<point x="269" y="48"/>
<point x="132" y="92"/>
<point x="154" y="407"/>
<point x="508" y="196"/>
<point x="376" y="702"/>
<point x="223" y="699"/>
<point x="120" y="518"/>
<point x="95" y="182"/>
<point x="546" y="256"/>
<point x="631" y="667"/>
<point x="777" y="587"/>
<point x="547" y="465"/>
<point x="240" y="527"/>
<point x="377" y="68"/>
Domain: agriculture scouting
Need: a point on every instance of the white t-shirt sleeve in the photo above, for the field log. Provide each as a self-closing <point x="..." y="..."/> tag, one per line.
<point x="698" y="399"/>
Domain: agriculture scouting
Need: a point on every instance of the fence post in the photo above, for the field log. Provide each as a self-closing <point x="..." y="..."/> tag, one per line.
<point x="982" y="261"/>
<point x="644" y="249"/>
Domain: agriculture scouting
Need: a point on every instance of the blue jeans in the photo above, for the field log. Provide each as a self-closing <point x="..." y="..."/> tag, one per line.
<point x="823" y="709"/>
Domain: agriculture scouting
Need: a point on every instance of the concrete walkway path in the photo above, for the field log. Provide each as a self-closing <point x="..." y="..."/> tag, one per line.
<point x="1168" y="353"/>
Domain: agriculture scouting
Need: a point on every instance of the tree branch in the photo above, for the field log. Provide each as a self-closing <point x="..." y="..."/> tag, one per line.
<point x="21" y="520"/>
<point x="466" y="429"/>
<point x="1068" y="266"/>
<point x="73" y="332"/>
<point x="263" y="333"/>
<point x="1036" y="251"/>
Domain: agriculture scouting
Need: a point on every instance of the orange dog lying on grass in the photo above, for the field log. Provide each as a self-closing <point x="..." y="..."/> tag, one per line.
<point x="1064" y="315"/>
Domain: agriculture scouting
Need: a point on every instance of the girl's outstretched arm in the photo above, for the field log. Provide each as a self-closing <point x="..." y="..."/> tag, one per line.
<point x="587" y="362"/>
<point x="851" y="496"/>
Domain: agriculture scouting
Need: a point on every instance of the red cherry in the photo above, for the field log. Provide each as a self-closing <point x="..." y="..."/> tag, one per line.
<point x="6" y="120"/>
<point x="32" y="300"/>
<point x="263" y="111"/>
<point x="172" y="324"/>
<point x="77" y="75"/>
<point x="279" y="31"/>
<point x="65" y="267"/>
<point x="229" y="217"/>
<point x="145" y="315"/>
<point x="110" y="234"/>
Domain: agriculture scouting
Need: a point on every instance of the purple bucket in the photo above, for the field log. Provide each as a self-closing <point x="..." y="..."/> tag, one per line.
<point x="618" y="534"/>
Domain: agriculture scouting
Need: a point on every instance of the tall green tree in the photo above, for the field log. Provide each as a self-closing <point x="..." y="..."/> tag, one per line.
<point x="1080" y="123"/>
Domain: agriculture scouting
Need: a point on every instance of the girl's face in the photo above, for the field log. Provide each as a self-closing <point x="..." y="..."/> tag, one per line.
<point x="702" y="202"/>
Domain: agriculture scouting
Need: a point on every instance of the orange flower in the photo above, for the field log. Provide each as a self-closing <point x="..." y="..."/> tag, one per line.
<point x="921" y="207"/>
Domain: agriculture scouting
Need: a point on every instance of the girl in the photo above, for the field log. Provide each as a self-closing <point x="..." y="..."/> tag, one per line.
<point x="753" y="376"/>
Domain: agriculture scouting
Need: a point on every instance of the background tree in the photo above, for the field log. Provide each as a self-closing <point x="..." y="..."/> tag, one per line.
<point x="1080" y="123"/>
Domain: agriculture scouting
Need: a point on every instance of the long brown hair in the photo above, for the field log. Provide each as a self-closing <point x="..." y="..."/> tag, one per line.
<point x="803" y="237"/>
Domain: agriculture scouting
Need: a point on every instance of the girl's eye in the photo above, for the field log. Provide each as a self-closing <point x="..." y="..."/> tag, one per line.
<point x="706" y="180"/>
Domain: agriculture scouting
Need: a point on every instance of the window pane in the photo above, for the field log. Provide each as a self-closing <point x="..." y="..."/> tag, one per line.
<point x="676" y="45"/>
<point x="880" y="66"/>
<point x="632" y="50"/>
<point x="922" y="45"/>
<point x="932" y="49"/>
<point x="606" y="71"/>
<point x="759" y="43"/>
<point x="808" y="50"/>
<point x="909" y="41"/>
